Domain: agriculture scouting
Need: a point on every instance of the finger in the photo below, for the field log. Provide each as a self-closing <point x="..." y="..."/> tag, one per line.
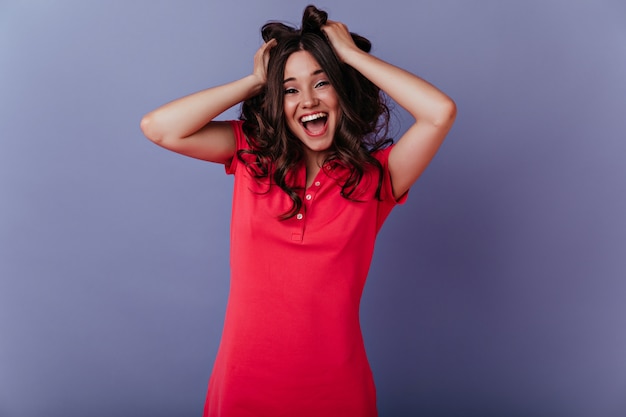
<point x="327" y="29"/>
<point x="267" y="45"/>
<point x="334" y="23"/>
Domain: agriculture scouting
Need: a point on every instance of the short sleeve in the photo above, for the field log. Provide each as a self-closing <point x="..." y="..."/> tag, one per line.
<point x="386" y="192"/>
<point x="241" y="143"/>
<point x="388" y="202"/>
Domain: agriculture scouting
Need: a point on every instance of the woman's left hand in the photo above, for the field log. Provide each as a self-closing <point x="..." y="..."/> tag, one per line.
<point x="432" y="110"/>
<point x="340" y="39"/>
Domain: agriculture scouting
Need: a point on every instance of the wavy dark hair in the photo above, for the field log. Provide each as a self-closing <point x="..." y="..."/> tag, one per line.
<point x="362" y="126"/>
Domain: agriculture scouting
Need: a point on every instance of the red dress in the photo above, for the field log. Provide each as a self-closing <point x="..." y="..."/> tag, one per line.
<point x="292" y="343"/>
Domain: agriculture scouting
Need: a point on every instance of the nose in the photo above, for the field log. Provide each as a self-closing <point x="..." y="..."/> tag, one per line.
<point x="309" y="99"/>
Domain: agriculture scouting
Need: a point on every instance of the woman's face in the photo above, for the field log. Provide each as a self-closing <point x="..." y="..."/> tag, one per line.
<point x="311" y="104"/>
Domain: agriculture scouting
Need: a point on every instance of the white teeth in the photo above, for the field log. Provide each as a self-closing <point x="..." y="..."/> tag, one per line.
<point x="311" y="117"/>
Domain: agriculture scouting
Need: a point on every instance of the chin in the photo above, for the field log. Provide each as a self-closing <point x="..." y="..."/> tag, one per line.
<point x="317" y="144"/>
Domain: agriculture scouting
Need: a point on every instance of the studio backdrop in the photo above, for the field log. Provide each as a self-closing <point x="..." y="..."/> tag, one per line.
<point x="497" y="289"/>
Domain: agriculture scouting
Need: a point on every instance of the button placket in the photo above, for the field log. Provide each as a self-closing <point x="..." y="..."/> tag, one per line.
<point x="309" y="197"/>
<point x="298" y="231"/>
<point x="310" y="194"/>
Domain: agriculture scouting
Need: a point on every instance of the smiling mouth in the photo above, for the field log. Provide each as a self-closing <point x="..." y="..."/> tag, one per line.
<point x="314" y="124"/>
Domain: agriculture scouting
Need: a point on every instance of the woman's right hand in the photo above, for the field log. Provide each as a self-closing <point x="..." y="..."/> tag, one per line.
<point x="261" y="60"/>
<point x="186" y="125"/>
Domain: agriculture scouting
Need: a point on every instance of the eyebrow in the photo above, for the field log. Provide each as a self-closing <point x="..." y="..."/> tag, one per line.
<point x="316" y="72"/>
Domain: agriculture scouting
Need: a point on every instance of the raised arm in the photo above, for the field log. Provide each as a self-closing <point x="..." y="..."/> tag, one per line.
<point x="433" y="111"/>
<point x="186" y="125"/>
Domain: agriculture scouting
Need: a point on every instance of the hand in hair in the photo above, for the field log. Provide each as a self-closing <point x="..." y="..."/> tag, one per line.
<point x="261" y="59"/>
<point x="340" y="39"/>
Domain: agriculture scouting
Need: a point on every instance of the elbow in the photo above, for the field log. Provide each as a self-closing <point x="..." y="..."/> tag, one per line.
<point x="149" y="129"/>
<point x="445" y="114"/>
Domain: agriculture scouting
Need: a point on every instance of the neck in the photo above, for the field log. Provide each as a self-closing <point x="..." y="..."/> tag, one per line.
<point x="314" y="161"/>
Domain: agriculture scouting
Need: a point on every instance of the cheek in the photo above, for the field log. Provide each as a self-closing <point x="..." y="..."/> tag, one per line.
<point x="332" y="100"/>
<point x="288" y="108"/>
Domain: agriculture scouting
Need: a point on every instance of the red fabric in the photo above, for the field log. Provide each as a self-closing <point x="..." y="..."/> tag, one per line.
<point x="292" y="343"/>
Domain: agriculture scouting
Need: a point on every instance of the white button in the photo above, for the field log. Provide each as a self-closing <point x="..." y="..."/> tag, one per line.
<point x="317" y="183"/>
<point x="308" y="196"/>
<point x="299" y="216"/>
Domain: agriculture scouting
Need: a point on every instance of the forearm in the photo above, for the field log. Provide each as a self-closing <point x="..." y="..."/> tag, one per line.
<point x="421" y="99"/>
<point x="187" y="115"/>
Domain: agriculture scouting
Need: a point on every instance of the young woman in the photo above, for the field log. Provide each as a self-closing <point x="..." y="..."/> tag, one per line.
<point x="315" y="178"/>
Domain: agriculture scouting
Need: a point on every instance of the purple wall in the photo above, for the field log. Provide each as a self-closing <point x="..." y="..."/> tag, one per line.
<point x="498" y="289"/>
